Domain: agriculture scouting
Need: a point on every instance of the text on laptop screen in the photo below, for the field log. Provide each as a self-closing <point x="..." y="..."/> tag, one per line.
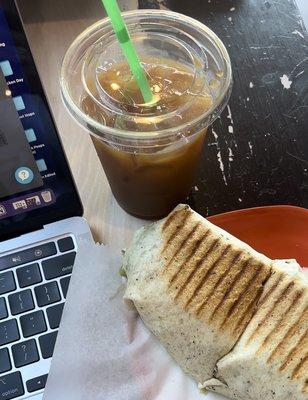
<point x="31" y="173"/>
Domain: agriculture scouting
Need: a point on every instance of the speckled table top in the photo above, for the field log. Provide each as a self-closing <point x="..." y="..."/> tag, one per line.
<point x="257" y="152"/>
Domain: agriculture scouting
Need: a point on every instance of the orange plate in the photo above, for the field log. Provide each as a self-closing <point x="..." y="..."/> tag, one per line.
<point x="276" y="231"/>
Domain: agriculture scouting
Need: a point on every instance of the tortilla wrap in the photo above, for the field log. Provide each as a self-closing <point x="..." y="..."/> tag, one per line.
<point x="195" y="286"/>
<point x="270" y="360"/>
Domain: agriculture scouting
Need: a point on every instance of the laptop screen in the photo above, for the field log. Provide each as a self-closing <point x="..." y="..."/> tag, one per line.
<point x="35" y="182"/>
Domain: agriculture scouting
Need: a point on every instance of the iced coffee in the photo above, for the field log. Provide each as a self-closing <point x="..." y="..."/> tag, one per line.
<point x="149" y="151"/>
<point x="149" y="182"/>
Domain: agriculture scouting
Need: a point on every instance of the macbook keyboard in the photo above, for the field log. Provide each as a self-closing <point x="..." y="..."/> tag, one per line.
<point x="33" y="288"/>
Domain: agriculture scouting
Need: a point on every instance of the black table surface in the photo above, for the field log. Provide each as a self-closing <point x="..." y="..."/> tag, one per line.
<point x="257" y="153"/>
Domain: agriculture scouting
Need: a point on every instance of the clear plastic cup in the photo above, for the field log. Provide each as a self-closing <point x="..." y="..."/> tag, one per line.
<point x="149" y="152"/>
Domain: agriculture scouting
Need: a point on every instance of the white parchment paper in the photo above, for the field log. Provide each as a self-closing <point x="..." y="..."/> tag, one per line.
<point x="103" y="350"/>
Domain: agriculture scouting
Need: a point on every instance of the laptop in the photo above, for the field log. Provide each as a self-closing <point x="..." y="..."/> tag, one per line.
<point x="41" y="220"/>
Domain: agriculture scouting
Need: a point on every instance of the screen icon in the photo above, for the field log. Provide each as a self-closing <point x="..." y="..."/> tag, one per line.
<point x="30" y="134"/>
<point x="24" y="175"/>
<point x="20" y="205"/>
<point x="2" y="210"/>
<point x="19" y="103"/>
<point x="46" y="196"/>
<point x="41" y="165"/>
<point x="33" y="201"/>
<point x="6" y="68"/>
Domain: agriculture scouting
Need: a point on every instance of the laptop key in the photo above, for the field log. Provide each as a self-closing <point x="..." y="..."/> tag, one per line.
<point x="59" y="266"/>
<point x="5" y="363"/>
<point x="47" y="294"/>
<point x="28" y="275"/>
<point x="25" y="353"/>
<point x="11" y="386"/>
<point x="47" y="344"/>
<point x="37" y="383"/>
<point x="65" y="284"/>
<point x="7" y="282"/>
<point x="33" y="324"/>
<point x="3" y="309"/>
<point x="21" y="302"/>
<point x="8" y="332"/>
<point x="28" y="255"/>
<point x="66" y="244"/>
<point x="54" y="315"/>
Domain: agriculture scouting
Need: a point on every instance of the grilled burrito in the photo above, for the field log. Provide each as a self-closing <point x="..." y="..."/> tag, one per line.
<point x="233" y="319"/>
<point x="270" y="360"/>
<point x="195" y="286"/>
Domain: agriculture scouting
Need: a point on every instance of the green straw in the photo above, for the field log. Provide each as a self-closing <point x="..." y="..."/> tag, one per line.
<point x="120" y="29"/>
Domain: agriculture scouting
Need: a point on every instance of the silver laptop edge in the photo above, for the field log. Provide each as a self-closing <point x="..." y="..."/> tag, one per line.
<point x="77" y="227"/>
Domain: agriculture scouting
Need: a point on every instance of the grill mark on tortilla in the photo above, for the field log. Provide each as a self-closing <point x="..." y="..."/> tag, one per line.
<point x="282" y="321"/>
<point x="297" y="370"/>
<point x="221" y="278"/>
<point x="203" y="280"/>
<point x="266" y="295"/>
<point x="292" y="352"/>
<point x="231" y="285"/>
<point x="241" y="296"/>
<point x="264" y="320"/>
<point x="288" y="336"/>
<point x="193" y="250"/>
<point x="183" y="246"/>
<point x="305" y="386"/>
<point x="188" y="256"/>
<point x="196" y="266"/>
<point x="214" y="244"/>
<point x="170" y="219"/>
<point x="177" y="229"/>
<point x="247" y="315"/>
